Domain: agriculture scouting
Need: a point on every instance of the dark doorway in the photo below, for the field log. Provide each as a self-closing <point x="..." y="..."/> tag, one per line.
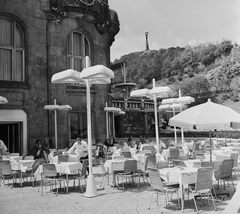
<point x="11" y="135"/>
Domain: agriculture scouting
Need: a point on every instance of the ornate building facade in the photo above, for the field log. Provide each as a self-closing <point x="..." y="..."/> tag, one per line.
<point x="38" y="39"/>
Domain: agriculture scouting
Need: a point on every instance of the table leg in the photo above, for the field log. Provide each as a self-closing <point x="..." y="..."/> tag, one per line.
<point x="67" y="183"/>
<point x="182" y="199"/>
<point x="21" y="178"/>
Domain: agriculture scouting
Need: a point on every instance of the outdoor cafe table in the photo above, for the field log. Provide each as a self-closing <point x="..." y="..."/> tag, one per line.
<point x="62" y="168"/>
<point x="182" y="176"/>
<point x="71" y="158"/>
<point x="22" y="166"/>
<point x="118" y="165"/>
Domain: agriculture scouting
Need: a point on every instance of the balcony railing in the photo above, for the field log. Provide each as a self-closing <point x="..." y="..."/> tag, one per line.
<point x="138" y="105"/>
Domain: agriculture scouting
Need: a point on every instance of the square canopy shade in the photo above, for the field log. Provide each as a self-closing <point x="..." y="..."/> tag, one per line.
<point x="3" y="100"/>
<point x="185" y="100"/>
<point x="112" y="109"/>
<point x="65" y="107"/>
<point x="169" y="101"/>
<point x="162" y="91"/>
<point x="72" y="76"/>
<point x="51" y="107"/>
<point x="96" y="72"/>
<point x="67" y="76"/>
<point x="140" y="93"/>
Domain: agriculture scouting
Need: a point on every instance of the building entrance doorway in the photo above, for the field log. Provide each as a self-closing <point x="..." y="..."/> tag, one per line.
<point x="11" y="135"/>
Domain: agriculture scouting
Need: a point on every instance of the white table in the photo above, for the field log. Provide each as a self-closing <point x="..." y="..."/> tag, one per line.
<point x="166" y="153"/>
<point x="71" y="158"/>
<point x="183" y="177"/>
<point x="118" y="165"/>
<point x="62" y="168"/>
<point x="22" y="166"/>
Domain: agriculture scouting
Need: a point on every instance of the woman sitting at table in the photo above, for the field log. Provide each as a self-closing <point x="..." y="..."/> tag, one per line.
<point x="80" y="148"/>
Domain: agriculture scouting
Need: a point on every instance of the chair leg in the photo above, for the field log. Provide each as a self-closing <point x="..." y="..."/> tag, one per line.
<point x="195" y="203"/>
<point x="151" y="201"/>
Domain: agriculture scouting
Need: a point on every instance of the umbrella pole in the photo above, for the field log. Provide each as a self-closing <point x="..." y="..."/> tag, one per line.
<point x="175" y="131"/>
<point x="210" y="146"/>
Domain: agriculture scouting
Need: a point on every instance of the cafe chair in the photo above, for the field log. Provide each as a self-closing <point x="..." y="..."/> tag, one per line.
<point x="14" y="154"/>
<point x="151" y="160"/>
<point x="179" y="163"/>
<point x="62" y="158"/>
<point x="198" y="156"/>
<point x="150" y="148"/>
<point x="203" y="186"/>
<point x="6" y="172"/>
<point x="160" y="188"/>
<point x="183" y="157"/>
<point x="81" y="175"/>
<point x="30" y="171"/>
<point x="174" y="154"/>
<point x="50" y="177"/>
<point x="143" y="173"/>
<point x="162" y="165"/>
<point x="236" y="167"/>
<point x="130" y="171"/>
<point x="55" y="153"/>
<point x="105" y="174"/>
<point x="126" y="154"/>
<point x="225" y="172"/>
<point x="28" y="157"/>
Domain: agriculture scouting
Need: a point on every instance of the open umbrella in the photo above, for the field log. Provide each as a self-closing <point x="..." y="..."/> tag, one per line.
<point x="207" y="116"/>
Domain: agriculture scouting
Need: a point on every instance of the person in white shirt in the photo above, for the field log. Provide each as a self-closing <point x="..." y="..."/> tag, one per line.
<point x="80" y="147"/>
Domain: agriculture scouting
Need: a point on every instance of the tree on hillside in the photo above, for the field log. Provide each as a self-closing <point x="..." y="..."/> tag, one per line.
<point x="198" y="87"/>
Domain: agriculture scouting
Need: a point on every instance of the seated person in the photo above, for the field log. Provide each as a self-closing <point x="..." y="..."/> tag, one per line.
<point x="80" y="147"/>
<point x="3" y="148"/>
<point x="100" y="149"/>
<point x="108" y="143"/>
<point x="130" y="142"/>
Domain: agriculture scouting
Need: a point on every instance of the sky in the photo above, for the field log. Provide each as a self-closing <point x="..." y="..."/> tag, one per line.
<point x="172" y="23"/>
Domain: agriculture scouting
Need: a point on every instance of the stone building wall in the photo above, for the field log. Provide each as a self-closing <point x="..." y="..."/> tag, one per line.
<point x="46" y="54"/>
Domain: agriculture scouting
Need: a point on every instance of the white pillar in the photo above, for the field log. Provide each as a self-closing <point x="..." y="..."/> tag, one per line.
<point x="55" y="125"/>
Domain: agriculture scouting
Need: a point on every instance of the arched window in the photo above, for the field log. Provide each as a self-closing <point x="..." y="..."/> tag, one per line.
<point x="78" y="48"/>
<point x="12" y="51"/>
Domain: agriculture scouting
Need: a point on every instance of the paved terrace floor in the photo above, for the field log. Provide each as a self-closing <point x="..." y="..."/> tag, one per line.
<point x="27" y="200"/>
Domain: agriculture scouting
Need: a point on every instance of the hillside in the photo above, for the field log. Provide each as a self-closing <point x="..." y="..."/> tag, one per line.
<point x="204" y="71"/>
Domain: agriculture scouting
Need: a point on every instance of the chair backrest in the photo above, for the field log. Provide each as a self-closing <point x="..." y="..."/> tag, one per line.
<point x="178" y="163"/>
<point x="196" y="147"/>
<point x="184" y="157"/>
<point x="174" y="153"/>
<point x="55" y="153"/>
<point x="234" y="156"/>
<point x="6" y="168"/>
<point x="150" y="148"/>
<point x="151" y="160"/>
<point x="28" y="157"/>
<point x="155" y="179"/>
<point x="199" y="156"/>
<point x="207" y="164"/>
<point x="161" y="165"/>
<point x="226" y="168"/>
<point x="14" y="154"/>
<point x="204" y="178"/>
<point x="62" y="158"/>
<point x="83" y="173"/>
<point x="126" y="154"/>
<point x="130" y="166"/>
<point x="41" y="161"/>
<point x="49" y="170"/>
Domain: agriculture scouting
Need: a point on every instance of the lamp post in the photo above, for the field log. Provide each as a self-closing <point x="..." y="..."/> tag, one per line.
<point x="56" y="108"/>
<point x="154" y="93"/>
<point x="172" y="107"/>
<point x="97" y="74"/>
<point x="182" y="101"/>
<point x="113" y="110"/>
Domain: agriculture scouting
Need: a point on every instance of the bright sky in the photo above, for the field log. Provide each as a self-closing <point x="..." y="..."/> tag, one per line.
<point x="172" y="23"/>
